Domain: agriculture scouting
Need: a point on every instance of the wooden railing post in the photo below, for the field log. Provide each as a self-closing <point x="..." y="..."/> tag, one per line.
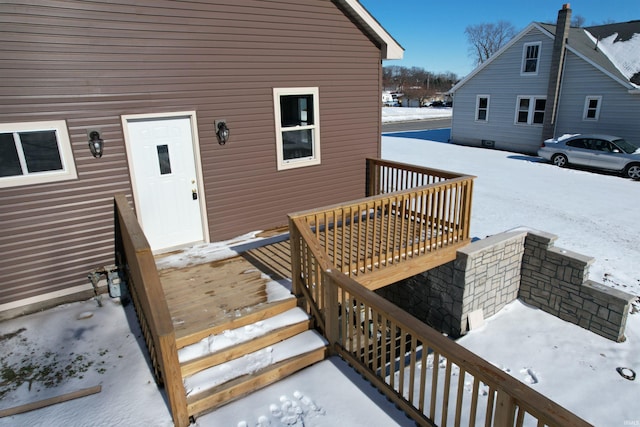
<point x="294" y="239"/>
<point x="331" y="322"/>
<point x="505" y="412"/>
<point x="372" y="178"/>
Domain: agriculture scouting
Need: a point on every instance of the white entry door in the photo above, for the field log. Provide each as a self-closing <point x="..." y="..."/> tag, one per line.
<point x="163" y="170"/>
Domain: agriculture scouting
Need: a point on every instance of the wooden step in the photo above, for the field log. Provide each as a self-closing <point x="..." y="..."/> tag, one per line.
<point x="232" y="344"/>
<point x="258" y="313"/>
<point x="280" y="361"/>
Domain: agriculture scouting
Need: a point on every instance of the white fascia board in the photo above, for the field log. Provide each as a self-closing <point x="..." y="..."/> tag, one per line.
<point x="391" y="49"/>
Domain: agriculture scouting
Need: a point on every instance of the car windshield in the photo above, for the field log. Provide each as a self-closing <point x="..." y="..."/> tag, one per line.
<point x="625" y="146"/>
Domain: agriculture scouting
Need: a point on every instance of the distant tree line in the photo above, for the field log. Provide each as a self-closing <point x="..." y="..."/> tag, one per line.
<point x="416" y="82"/>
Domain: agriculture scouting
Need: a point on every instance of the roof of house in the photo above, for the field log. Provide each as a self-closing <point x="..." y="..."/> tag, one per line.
<point x="612" y="48"/>
<point x="391" y="49"/>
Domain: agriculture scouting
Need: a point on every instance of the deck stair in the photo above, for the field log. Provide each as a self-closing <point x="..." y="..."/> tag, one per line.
<point x="248" y="353"/>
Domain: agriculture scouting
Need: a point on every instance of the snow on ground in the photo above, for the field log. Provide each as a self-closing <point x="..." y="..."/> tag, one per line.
<point x="402" y="114"/>
<point x="592" y="213"/>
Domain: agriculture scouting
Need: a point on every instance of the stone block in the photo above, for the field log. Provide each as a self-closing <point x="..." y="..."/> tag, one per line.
<point x="590" y="307"/>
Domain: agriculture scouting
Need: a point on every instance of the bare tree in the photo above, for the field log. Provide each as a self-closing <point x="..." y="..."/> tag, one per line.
<point x="487" y="38"/>
<point x="577" y="21"/>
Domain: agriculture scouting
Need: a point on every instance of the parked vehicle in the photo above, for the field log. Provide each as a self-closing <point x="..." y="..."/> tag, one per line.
<point x="595" y="151"/>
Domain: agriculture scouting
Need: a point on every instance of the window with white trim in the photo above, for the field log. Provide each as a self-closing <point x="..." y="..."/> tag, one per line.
<point x="530" y="58"/>
<point x="297" y="127"/>
<point x="35" y="153"/>
<point x="530" y="110"/>
<point x="592" y="108"/>
<point x="482" y="108"/>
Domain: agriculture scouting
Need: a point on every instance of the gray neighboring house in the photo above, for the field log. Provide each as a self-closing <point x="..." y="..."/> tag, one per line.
<point x="539" y="86"/>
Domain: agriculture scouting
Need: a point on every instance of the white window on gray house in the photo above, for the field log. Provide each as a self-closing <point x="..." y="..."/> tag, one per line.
<point x="530" y="110"/>
<point x="592" y="108"/>
<point x="530" y="58"/>
<point x="297" y="127"/>
<point x="35" y="153"/>
<point x="482" y="108"/>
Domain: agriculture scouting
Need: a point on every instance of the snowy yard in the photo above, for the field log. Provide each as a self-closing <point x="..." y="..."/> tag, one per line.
<point x="593" y="214"/>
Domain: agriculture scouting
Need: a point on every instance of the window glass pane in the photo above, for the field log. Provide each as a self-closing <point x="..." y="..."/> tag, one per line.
<point x="296" y="110"/>
<point x="538" y="117"/>
<point x="41" y="151"/>
<point x="483" y="102"/>
<point x="163" y="159"/>
<point x="9" y="161"/>
<point x="523" y="111"/>
<point x="591" y="114"/>
<point x="297" y="144"/>
<point x="538" y="114"/>
<point x="531" y="59"/>
<point x="593" y="103"/>
<point x="482" y="114"/>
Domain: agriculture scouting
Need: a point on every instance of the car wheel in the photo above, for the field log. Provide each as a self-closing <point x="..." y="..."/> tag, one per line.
<point x="560" y="160"/>
<point x="633" y="171"/>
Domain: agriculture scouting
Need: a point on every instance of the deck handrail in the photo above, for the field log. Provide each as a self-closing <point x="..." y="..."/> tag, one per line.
<point x="509" y="400"/>
<point x="363" y="237"/>
<point x="357" y="321"/>
<point x="386" y="176"/>
<point x="374" y="335"/>
<point x="135" y="258"/>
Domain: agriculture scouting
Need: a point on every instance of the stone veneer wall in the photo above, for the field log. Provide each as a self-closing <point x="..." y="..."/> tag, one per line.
<point x="492" y="272"/>
<point x="556" y="281"/>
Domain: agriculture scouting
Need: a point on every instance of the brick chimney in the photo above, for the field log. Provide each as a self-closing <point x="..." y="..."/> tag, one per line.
<point x="555" y="73"/>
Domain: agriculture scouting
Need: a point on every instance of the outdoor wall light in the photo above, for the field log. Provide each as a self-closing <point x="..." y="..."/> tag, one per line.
<point x="96" y="144"/>
<point x="222" y="131"/>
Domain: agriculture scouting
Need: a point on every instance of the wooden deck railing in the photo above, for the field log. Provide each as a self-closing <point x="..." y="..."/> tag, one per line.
<point x="395" y="225"/>
<point x="335" y="249"/>
<point x="135" y="258"/>
<point x="393" y="350"/>
<point x="385" y="176"/>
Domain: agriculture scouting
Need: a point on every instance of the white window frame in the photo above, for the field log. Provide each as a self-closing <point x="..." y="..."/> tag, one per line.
<point x="531" y="110"/>
<point x="523" y="71"/>
<point x="486" y="117"/>
<point x="68" y="170"/>
<point x="585" y="112"/>
<point x="305" y="161"/>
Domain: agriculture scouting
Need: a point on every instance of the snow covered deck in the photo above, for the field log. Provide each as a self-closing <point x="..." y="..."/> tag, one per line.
<point x="205" y="299"/>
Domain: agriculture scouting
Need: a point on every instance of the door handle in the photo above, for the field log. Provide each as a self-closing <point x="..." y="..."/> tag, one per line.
<point x="194" y="194"/>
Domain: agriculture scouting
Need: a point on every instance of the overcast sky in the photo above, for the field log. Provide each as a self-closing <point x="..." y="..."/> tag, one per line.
<point x="432" y="32"/>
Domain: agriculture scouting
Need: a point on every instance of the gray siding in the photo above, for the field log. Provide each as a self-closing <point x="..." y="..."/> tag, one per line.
<point x="501" y="80"/>
<point x="89" y="63"/>
<point x="619" y="111"/>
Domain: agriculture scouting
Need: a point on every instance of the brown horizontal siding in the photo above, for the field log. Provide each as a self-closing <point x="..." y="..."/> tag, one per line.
<point x="89" y="63"/>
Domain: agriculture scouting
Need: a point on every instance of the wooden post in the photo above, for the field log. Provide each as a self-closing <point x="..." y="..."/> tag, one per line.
<point x="505" y="412"/>
<point x="294" y="240"/>
<point x="331" y="322"/>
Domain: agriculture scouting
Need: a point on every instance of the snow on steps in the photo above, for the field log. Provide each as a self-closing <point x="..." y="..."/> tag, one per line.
<point x="234" y="343"/>
<point x="217" y="385"/>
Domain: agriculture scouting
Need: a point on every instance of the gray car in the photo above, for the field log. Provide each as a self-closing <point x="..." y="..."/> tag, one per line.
<point x="595" y="151"/>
